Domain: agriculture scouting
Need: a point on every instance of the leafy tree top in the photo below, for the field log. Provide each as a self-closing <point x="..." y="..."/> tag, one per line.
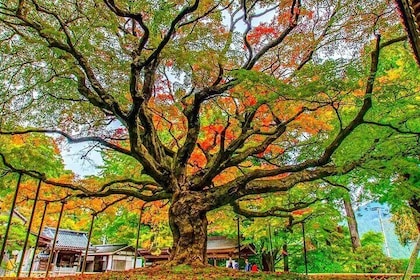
<point x="217" y="99"/>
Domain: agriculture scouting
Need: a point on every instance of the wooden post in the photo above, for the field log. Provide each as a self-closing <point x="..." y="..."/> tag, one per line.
<point x="304" y="248"/>
<point x="29" y="229"/>
<point x="239" y="241"/>
<point x="6" y="234"/>
<point x="55" y="238"/>
<point x="285" y="258"/>
<point x="271" y="248"/>
<point x="88" y="242"/>
<point x="37" y="238"/>
<point x="138" y="235"/>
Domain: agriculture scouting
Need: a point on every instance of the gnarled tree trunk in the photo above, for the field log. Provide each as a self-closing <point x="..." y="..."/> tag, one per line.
<point x="188" y="221"/>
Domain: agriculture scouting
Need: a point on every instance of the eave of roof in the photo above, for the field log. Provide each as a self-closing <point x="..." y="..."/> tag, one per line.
<point x="66" y="240"/>
<point x="410" y="13"/>
<point x="117" y="250"/>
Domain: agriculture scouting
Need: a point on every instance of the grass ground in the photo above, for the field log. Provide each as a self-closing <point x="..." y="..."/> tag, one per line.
<point x="190" y="273"/>
<point x="181" y="272"/>
<point x="184" y="272"/>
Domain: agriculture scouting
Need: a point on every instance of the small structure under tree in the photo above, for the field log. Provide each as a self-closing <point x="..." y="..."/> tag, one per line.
<point x="218" y="248"/>
<point x="110" y="257"/>
<point x="69" y="249"/>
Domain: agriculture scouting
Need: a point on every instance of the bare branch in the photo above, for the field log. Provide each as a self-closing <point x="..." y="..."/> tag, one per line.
<point x="336" y="184"/>
<point x="294" y="15"/>
<point x="185" y="11"/>
<point x="138" y="17"/>
<point x="395" y="128"/>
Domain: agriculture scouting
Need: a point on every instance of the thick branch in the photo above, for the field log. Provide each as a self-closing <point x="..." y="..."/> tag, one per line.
<point x="226" y="158"/>
<point x="244" y="186"/>
<point x="283" y="212"/>
<point x="85" y="192"/>
<point x="192" y="113"/>
<point x="367" y="104"/>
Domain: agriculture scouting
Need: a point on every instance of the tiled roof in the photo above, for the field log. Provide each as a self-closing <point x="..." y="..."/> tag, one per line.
<point x="410" y="12"/>
<point x="67" y="239"/>
<point x="109" y="249"/>
<point x="220" y="246"/>
<point x="219" y="242"/>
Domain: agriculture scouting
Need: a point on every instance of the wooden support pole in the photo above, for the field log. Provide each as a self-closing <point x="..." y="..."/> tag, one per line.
<point x="6" y="234"/>
<point x="304" y="248"/>
<point x="88" y="242"/>
<point x="239" y="240"/>
<point x="22" y="258"/>
<point x="138" y="235"/>
<point x="55" y="238"/>
<point x="38" y="236"/>
<point x="271" y="248"/>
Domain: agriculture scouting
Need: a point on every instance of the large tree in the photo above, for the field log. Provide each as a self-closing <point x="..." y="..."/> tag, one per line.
<point x="205" y="102"/>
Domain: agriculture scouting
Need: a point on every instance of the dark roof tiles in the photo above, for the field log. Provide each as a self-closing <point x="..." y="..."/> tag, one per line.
<point x="67" y="239"/>
<point x="110" y="248"/>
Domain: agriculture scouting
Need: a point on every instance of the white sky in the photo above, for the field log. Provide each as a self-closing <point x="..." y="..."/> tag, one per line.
<point x="73" y="156"/>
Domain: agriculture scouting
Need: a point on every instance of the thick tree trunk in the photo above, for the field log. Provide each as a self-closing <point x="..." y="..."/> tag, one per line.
<point x="188" y="221"/>
<point x="351" y="221"/>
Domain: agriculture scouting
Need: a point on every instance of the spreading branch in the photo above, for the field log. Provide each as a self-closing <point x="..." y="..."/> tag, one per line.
<point x="277" y="211"/>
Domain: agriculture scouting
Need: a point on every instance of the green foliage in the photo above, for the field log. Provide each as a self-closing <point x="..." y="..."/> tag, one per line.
<point x="35" y="152"/>
<point x="17" y="233"/>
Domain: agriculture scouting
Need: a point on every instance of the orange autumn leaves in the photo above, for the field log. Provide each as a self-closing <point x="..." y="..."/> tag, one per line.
<point x="222" y="123"/>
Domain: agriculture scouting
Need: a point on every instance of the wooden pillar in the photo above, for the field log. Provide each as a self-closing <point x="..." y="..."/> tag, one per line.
<point x="55" y="238"/>
<point x="239" y="240"/>
<point x="6" y="234"/>
<point x="37" y="238"/>
<point x="54" y="262"/>
<point x="88" y="242"/>
<point x="79" y="262"/>
<point x="285" y="254"/>
<point x="138" y="235"/>
<point x="29" y="229"/>
<point x="271" y="248"/>
<point x="304" y="249"/>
